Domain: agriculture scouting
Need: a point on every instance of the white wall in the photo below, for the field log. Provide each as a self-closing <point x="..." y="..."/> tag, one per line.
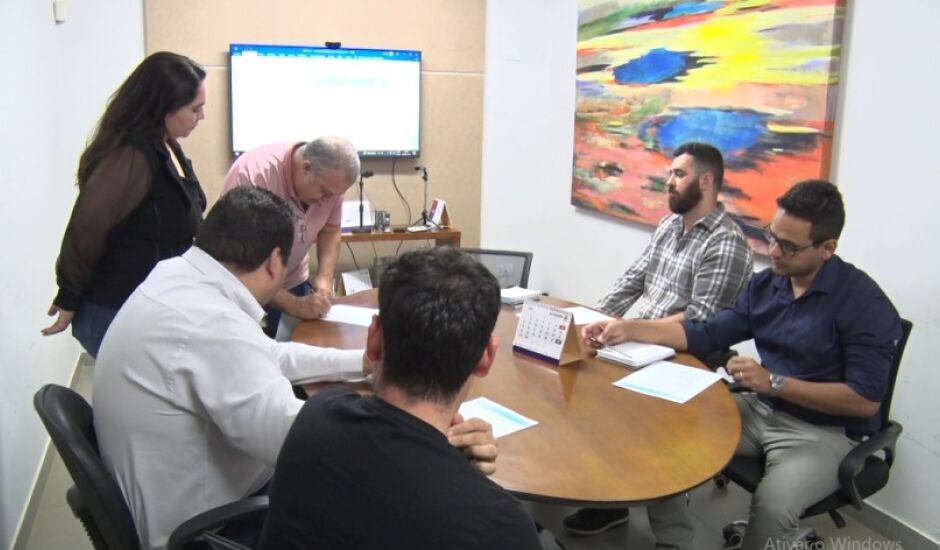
<point x="886" y="165"/>
<point x="56" y="79"/>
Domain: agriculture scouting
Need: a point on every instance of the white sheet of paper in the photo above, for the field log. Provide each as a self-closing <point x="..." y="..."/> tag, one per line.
<point x="518" y="293"/>
<point x="357" y="281"/>
<point x="724" y="374"/>
<point x="504" y="421"/>
<point x="350" y="214"/>
<point x="352" y="315"/>
<point x="669" y="381"/>
<point x="514" y="296"/>
<point x="583" y="315"/>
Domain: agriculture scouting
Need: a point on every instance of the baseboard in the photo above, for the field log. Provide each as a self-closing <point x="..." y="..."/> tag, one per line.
<point x="892" y="528"/>
<point x="39" y="483"/>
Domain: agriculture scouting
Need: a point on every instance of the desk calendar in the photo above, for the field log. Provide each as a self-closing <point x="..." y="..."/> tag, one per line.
<point x="547" y="333"/>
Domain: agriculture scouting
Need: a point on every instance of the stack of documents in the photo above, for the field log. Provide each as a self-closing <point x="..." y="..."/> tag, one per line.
<point x="633" y="354"/>
<point x="515" y="295"/>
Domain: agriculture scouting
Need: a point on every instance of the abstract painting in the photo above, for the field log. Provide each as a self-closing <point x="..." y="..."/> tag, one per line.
<point x="755" y="78"/>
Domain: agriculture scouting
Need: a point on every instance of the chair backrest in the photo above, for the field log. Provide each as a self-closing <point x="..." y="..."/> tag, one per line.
<point x="509" y="267"/>
<point x="885" y="410"/>
<point x="68" y="419"/>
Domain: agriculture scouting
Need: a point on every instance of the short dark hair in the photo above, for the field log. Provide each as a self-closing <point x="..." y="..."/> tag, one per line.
<point x="818" y="202"/>
<point x="437" y="308"/>
<point x="245" y="226"/>
<point x="707" y="159"/>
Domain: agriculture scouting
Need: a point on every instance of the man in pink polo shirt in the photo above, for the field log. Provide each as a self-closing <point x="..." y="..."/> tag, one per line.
<point x="312" y="178"/>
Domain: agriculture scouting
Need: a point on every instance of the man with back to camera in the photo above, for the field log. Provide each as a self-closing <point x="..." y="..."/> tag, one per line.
<point x="697" y="262"/>
<point x="312" y="178"/>
<point x="192" y="400"/>
<point x="826" y="334"/>
<point x="382" y="471"/>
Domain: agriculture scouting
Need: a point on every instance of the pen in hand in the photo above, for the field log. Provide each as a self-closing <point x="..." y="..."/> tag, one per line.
<point x="600" y="345"/>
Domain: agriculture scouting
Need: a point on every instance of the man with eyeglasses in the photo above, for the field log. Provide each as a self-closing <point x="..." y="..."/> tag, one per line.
<point x="312" y="178"/>
<point x="826" y="335"/>
<point x="697" y="262"/>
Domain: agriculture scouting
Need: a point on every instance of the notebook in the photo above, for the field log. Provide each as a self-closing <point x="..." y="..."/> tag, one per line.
<point x="634" y="354"/>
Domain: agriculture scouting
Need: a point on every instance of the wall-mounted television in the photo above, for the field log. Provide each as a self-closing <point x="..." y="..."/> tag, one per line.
<point x="371" y="97"/>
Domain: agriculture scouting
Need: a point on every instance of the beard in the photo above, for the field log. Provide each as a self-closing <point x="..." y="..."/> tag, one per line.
<point x="681" y="203"/>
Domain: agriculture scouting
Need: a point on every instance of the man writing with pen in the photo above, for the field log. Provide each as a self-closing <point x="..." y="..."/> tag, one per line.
<point x="312" y="178"/>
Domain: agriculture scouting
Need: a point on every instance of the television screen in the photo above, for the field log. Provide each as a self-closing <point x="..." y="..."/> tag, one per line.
<point x="369" y="96"/>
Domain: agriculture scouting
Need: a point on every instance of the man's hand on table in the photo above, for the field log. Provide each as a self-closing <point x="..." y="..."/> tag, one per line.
<point x="311" y="306"/>
<point x="605" y="333"/>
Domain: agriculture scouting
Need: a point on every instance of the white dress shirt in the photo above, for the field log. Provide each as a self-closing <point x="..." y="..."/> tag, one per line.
<point x="191" y="400"/>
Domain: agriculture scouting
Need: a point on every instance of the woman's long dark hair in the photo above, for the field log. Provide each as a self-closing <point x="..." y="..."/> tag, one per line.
<point x="161" y="84"/>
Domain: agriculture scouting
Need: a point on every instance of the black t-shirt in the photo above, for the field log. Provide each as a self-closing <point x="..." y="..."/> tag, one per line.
<point x="358" y="473"/>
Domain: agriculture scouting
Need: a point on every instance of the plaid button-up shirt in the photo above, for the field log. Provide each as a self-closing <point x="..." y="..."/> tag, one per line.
<point x="697" y="272"/>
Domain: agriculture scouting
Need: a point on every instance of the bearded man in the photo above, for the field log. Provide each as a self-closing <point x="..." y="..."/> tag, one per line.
<point x="696" y="263"/>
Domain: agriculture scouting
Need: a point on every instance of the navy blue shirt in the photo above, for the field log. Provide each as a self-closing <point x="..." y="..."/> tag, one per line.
<point x="842" y="329"/>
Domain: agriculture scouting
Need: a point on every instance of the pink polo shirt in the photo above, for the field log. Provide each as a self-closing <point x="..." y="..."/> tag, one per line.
<point x="269" y="167"/>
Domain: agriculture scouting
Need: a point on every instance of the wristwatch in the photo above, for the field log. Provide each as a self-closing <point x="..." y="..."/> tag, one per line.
<point x="777" y="382"/>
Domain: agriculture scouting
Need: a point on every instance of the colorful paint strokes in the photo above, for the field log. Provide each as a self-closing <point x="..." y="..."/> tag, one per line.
<point x="755" y="78"/>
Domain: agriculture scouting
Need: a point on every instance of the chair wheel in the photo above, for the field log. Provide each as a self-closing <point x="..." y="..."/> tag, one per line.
<point x="721" y="481"/>
<point x="813" y="542"/>
<point x="733" y="533"/>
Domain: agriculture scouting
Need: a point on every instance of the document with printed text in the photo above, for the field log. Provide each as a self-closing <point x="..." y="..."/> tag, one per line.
<point x="504" y="421"/>
<point x="669" y="381"/>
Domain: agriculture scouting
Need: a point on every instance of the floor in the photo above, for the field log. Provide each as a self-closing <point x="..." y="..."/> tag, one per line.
<point x="55" y="528"/>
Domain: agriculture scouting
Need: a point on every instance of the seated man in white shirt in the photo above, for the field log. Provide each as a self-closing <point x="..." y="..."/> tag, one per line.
<point x="192" y="401"/>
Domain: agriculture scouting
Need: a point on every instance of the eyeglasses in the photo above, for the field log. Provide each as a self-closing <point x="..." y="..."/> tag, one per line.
<point x="787" y="247"/>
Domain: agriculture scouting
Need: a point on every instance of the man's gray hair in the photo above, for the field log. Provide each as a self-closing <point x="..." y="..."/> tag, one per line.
<point x="331" y="153"/>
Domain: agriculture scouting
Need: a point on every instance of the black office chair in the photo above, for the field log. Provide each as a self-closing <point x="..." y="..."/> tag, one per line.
<point x="509" y="267"/>
<point x="97" y="501"/>
<point x="862" y="472"/>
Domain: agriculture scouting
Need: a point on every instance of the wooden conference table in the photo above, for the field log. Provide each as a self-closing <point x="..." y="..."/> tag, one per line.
<point x="595" y="444"/>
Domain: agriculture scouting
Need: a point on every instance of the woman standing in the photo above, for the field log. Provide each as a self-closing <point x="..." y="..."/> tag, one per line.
<point x="138" y="202"/>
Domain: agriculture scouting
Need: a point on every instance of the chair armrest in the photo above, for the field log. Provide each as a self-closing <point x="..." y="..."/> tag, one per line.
<point x="853" y="462"/>
<point x="217" y="542"/>
<point x="214" y="519"/>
